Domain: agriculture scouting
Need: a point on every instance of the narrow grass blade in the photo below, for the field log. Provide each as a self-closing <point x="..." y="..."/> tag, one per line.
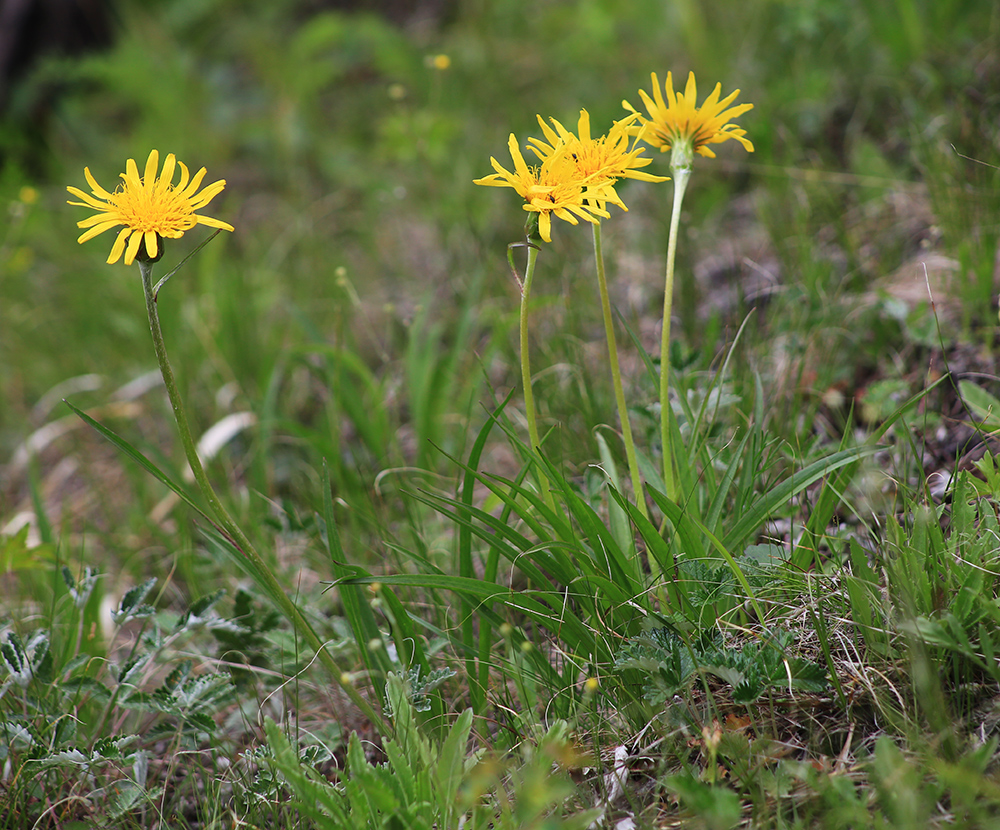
<point x="605" y="551"/>
<point x="832" y="493"/>
<point x="142" y="461"/>
<point x="356" y="608"/>
<point x="758" y="513"/>
<point x="490" y="529"/>
<point x="688" y="527"/>
<point x="617" y="518"/>
<point x="478" y="675"/>
<point x="661" y="551"/>
<point x="544" y="607"/>
<point x="684" y="524"/>
<point x="725" y="483"/>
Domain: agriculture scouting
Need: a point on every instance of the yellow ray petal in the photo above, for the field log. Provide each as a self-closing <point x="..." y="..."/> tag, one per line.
<point x="133" y="247"/>
<point x="119" y="246"/>
<point x="149" y="176"/>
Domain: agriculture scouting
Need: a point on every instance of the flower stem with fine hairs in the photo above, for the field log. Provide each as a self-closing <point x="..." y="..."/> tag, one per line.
<point x="529" y="396"/>
<point x="226" y="524"/>
<point x="681" y="175"/>
<point x="616" y="375"/>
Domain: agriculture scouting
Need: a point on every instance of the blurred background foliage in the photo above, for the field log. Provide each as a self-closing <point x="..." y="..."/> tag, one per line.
<point x="368" y="275"/>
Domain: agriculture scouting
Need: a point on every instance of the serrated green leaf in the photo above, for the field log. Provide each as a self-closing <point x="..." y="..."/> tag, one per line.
<point x="747" y="691"/>
<point x="65" y="730"/>
<point x="128" y="795"/>
<point x="724" y="670"/>
<point x="17" y="735"/>
<point x="12" y="651"/>
<point x="196" y="614"/>
<point x="807" y="675"/>
<point x="131" y="669"/>
<point x="85" y="587"/>
<point x="28" y="661"/>
<point x="42" y="665"/>
<point x="130" y="607"/>
<point x="111" y="747"/>
<point x="200" y="720"/>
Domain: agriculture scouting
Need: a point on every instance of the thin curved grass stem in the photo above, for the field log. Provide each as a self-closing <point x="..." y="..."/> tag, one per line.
<point x="529" y="396"/>
<point x="616" y="375"/>
<point x="227" y="524"/>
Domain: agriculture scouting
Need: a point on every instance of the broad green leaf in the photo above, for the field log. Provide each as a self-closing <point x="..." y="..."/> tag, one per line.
<point x="981" y="403"/>
<point x="17" y="555"/>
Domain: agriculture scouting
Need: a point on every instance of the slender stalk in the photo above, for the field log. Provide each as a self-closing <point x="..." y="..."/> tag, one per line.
<point x="616" y="376"/>
<point x="227" y="524"/>
<point x="681" y="176"/>
<point x="529" y="396"/>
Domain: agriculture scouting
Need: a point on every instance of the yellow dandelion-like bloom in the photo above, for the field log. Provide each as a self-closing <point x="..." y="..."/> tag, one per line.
<point x="599" y="161"/>
<point x="555" y="188"/>
<point x="678" y="124"/>
<point x="149" y="207"/>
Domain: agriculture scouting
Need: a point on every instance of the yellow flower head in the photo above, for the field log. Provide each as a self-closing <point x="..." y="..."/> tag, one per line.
<point x="678" y="124"/>
<point x="599" y="161"/>
<point x="554" y="188"/>
<point x="149" y="207"/>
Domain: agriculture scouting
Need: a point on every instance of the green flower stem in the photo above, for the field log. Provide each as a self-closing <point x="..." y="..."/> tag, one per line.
<point x="227" y="524"/>
<point x="681" y="176"/>
<point x="616" y="375"/>
<point x="529" y="396"/>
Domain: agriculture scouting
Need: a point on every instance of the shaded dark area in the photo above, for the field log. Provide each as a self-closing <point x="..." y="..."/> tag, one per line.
<point x="30" y="31"/>
<point x="400" y="12"/>
<point x="33" y="29"/>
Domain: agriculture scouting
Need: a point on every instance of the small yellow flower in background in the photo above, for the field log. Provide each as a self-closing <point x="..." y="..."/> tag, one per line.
<point x="678" y="124"/>
<point x="149" y="207"/>
<point x="599" y="161"/>
<point x="28" y="195"/>
<point x="441" y="62"/>
<point x="554" y="188"/>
